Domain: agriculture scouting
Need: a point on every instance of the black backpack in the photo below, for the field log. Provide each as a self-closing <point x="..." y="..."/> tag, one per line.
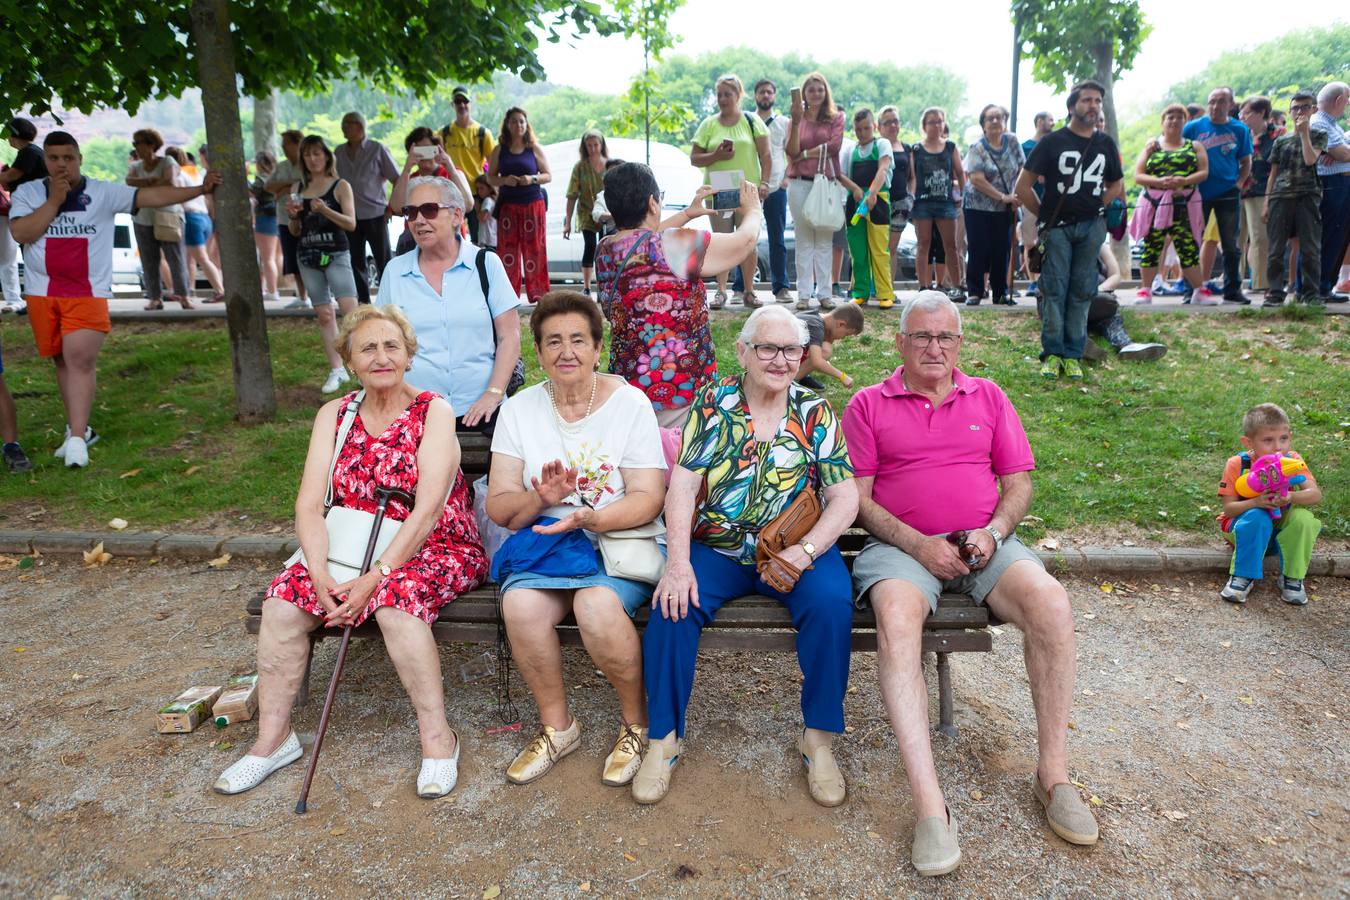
<point x="518" y="374"/>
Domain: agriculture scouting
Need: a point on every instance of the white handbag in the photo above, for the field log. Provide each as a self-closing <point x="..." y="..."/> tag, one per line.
<point x="348" y="529"/>
<point x="824" y="206"/>
<point x="633" y="553"/>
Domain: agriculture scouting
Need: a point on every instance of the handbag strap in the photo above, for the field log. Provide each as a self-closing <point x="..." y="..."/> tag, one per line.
<point x="348" y="417"/>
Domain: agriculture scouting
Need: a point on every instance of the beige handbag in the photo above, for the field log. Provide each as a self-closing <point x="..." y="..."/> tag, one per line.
<point x="168" y="226"/>
<point x="633" y="553"/>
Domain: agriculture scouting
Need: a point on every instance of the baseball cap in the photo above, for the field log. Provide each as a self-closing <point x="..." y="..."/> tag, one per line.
<point x="459" y="92"/>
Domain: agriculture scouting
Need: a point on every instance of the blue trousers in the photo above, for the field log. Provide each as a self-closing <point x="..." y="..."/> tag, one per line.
<point x="1068" y="282"/>
<point x="1335" y="220"/>
<point x="821" y="605"/>
<point x="775" y="222"/>
<point x="1255" y="533"/>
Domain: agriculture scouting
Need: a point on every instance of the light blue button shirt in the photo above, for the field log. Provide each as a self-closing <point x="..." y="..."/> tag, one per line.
<point x="1323" y="121"/>
<point x="456" y="345"/>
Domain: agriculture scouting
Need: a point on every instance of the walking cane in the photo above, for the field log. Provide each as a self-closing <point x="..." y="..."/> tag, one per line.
<point x="382" y="497"/>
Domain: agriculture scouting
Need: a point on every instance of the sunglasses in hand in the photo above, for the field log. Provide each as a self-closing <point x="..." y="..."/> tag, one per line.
<point x="428" y="211"/>
<point x="970" y="553"/>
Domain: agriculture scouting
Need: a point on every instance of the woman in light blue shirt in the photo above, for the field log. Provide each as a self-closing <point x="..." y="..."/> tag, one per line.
<point x="461" y="304"/>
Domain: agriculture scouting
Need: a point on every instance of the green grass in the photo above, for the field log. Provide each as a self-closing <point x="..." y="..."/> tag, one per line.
<point x="1135" y="449"/>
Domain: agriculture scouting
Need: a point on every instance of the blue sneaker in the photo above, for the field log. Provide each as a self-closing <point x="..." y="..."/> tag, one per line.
<point x="1214" y="286"/>
<point x="1032" y="291"/>
<point x="1163" y="289"/>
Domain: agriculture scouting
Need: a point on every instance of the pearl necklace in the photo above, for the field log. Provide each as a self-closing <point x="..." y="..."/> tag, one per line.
<point x="563" y="423"/>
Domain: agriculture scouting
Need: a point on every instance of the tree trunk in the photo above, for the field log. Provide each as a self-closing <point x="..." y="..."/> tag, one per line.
<point x="265" y="122"/>
<point x="255" y="399"/>
<point x="1105" y="63"/>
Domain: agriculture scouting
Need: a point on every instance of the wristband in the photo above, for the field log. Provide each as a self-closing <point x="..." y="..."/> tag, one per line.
<point x="843" y="377"/>
<point x="498" y="391"/>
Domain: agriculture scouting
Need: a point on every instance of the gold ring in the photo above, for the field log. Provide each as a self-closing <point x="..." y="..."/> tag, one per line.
<point x="670" y="596"/>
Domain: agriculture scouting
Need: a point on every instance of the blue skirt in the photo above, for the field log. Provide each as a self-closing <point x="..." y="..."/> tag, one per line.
<point x="632" y="594"/>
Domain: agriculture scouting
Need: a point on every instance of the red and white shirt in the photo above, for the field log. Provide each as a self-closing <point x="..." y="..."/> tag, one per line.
<point x="73" y="258"/>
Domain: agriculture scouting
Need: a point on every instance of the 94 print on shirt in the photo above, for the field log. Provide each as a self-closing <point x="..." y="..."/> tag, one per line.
<point x="1094" y="171"/>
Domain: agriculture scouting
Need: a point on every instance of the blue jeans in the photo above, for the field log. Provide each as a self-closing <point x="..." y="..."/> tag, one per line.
<point x="1335" y="220"/>
<point x="1068" y="282"/>
<point x="821" y="604"/>
<point x="775" y="219"/>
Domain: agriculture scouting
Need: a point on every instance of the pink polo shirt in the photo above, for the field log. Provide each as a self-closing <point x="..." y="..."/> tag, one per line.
<point x="936" y="470"/>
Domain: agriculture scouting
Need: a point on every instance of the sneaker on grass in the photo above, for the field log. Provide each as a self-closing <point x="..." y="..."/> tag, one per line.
<point x="16" y="459"/>
<point x="1237" y="589"/>
<point x="1073" y="369"/>
<point x="90" y="439"/>
<point x="336" y="379"/>
<point x="1051" y="366"/>
<point x="77" y="453"/>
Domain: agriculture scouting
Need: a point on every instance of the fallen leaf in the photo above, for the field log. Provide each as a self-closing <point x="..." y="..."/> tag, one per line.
<point x="1183" y="725"/>
<point x="130" y="473"/>
<point x="1246" y="700"/>
<point x="977" y="795"/>
<point x="1050" y="544"/>
<point x="1088" y="692"/>
<point x="630" y="857"/>
<point x="117" y="524"/>
<point x="1095" y="800"/>
<point x="1089" y="616"/>
<point x="493" y="892"/>
<point x="873" y="835"/>
<point x="338" y="832"/>
<point x="1178" y="679"/>
<point x="77" y="677"/>
<point x="192" y="470"/>
<point x="96" y="557"/>
<point x="225" y="745"/>
<point x="1107" y="588"/>
<point x="1329" y="714"/>
<point x="584" y="886"/>
<point x="20" y="649"/>
<point x="642" y="842"/>
<point x="1225" y="644"/>
<point x="220" y="562"/>
<point x="1175" y="815"/>
<point x="27" y="562"/>
<point x="8" y="562"/>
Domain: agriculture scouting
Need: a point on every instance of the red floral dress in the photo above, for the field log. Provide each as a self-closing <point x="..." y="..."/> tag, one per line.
<point x="449" y="563"/>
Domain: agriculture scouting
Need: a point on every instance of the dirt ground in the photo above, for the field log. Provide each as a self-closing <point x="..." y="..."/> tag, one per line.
<point x="1213" y="738"/>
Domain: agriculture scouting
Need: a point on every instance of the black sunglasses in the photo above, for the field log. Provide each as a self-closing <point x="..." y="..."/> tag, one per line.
<point x="428" y="211"/>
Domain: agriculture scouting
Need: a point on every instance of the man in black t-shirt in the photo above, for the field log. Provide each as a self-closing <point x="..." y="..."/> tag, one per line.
<point x="28" y="165"/>
<point x="1082" y="173"/>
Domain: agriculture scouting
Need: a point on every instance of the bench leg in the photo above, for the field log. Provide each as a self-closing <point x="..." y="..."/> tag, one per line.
<point x="944" y="672"/>
<point x="302" y="696"/>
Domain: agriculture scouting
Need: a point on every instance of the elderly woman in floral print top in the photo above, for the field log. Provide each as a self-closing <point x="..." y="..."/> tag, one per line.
<point x="583" y="449"/>
<point x="754" y="442"/>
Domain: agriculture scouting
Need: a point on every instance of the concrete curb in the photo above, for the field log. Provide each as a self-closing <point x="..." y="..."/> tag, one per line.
<point x="1070" y="560"/>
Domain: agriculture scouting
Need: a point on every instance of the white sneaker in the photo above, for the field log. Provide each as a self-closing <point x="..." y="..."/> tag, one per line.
<point x="299" y="303"/>
<point x="272" y="298"/>
<point x="77" y="453"/>
<point x="1204" y="297"/>
<point x="252" y="771"/>
<point x="336" y="379"/>
<point x="90" y="439"/>
<point x="439" y="776"/>
<point x="18" y="307"/>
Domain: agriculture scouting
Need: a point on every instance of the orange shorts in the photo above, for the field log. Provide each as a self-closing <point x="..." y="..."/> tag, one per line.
<point x="53" y="318"/>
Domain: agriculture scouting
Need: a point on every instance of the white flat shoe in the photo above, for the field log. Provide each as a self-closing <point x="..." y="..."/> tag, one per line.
<point x="439" y="776"/>
<point x="252" y="771"/>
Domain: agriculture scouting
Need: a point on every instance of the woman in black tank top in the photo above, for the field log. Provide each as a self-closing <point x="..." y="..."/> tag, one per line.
<point x="935" y="166"/>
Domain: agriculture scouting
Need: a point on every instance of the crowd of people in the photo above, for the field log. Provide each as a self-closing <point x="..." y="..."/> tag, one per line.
<point x="673" y="479"/>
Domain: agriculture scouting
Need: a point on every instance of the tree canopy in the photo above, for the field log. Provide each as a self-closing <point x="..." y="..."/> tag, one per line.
<point x="1276" y="68"/>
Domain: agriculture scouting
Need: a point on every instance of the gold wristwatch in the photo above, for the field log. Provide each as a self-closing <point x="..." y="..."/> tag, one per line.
<point x="810" y="549"/>
<point x="382" y="567"/>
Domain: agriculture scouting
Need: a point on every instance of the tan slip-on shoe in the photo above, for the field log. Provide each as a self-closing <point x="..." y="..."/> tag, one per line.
<point x="1066" y="812"/>
<point x="548" y="746"/>
<point x="652" y="781"/>
<point x="823" y="777"/>
<point x="623" y="761"/>
<point x="935" y="850"/>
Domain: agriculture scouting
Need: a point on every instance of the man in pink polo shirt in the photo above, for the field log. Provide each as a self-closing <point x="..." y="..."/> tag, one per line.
<point x="936" y="451"/>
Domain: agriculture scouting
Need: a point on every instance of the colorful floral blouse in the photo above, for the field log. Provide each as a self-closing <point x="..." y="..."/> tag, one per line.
<point x="654" y="298"/>
<point x="751" y="482"/>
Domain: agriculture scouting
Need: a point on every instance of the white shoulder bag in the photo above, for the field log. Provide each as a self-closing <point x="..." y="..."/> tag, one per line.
<point x="824" y="206"/>
<point x="348" y="529"/>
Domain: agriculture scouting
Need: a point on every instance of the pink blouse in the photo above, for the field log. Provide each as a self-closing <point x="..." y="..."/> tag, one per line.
<point x="813" y="135"/>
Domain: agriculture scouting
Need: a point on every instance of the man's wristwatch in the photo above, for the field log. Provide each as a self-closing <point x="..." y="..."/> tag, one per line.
<point x="382" y="567"/>
<point x="996" y="535"/>
<point x="810" y="549"/>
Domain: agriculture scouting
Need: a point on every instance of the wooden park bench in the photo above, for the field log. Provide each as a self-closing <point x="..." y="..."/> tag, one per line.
<point x="750" y="623"/>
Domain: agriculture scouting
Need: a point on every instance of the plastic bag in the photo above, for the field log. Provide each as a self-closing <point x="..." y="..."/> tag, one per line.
<point x="489" y="531"/>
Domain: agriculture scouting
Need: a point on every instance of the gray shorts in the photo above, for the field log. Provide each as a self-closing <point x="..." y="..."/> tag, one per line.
<point x="333" y="280"/>
<point x="880" y="561"/>
<point x="839" y="240"/>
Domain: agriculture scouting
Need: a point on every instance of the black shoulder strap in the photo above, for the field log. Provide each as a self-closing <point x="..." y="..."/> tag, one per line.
<point x="1082" y="158"/>
<point x="482" y="141"/>
<point x="749" y="123"/>
<point x="481" y="265"/>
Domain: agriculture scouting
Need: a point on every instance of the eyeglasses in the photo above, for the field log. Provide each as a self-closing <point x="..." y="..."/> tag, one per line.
<point x="428" y="211"/>
<point x="1301" y="107"/>
<point x="767" y="352"/>
<point x="946" y="340"/>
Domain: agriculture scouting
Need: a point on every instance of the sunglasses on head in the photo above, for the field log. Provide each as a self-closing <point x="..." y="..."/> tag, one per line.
<point x="428" y="211"/>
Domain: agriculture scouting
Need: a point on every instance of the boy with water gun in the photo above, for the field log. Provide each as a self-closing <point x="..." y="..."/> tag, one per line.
<point x="1266" y="491"/>
<point x="868" y="212"/>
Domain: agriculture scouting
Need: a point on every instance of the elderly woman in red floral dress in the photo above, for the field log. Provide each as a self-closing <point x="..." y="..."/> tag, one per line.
<point x="651" y="288"/>
<point x="402" y="438"/>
